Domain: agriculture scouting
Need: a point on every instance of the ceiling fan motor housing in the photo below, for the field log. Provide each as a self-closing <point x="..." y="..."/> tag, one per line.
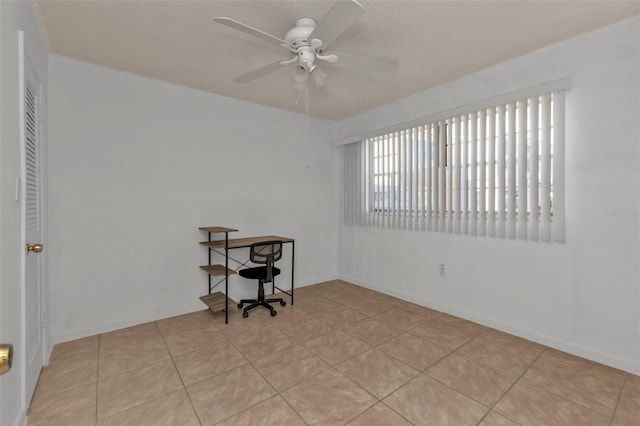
<point x="298" y="37"/>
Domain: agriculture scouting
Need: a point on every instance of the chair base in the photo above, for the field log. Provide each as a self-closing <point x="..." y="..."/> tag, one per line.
<point x="260" y="301"/>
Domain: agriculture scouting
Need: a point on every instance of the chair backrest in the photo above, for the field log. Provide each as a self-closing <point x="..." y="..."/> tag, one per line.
<point x="267" y="253"/>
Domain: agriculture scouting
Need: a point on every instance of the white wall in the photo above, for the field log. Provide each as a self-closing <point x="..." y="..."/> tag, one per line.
<point x="582" y="296"/>
<point x="137" y="165"/>
<point x="14" y="16"/>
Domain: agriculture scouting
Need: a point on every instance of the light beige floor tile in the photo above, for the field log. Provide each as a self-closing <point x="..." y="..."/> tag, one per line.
<point x="326" y="307"/>
<point x="227" y="394"/>
<point x="85" y="346"/>
<point x="422" y="311"/>
<point x="414" y="351"/>
<point x="241" y="328"/>
<point x="459" y="323"/>
<point x="289" y="367"/>
<point x="118" y="359"/>
<point x="448" y="336"/>
<point x="308" y="329"/>
<point x="328" y="398"/>
<point x="371" y="331"/>
<point x="271" y="412"/>
<point x="578" y="383"/>
<point x="304" y="291"/>
<point x="377" y="372"/>
<point x="75" y="407"/>
<point x="424" y="401"/>
<point x="400" y="319"/>
<point x="118" y="393"/>
<point x="499" y="338"/>
<point x="268" y="341"/>
<point x="342" y="317"/>
<point x="632" y="379"/>
<point x="480" y="383"/>
<point x="185" y="322"/>
<point x="529" y="405"/>
<point x="235" y="316"/>
<point x="592" y="368"/>
<point x="628" y="410"/>
<point x="201" y="338"/>
<point x="379" y="415"/>
<point x="129" y="335"/>
<point x="370" y="306"/>
<point x="336" y="346"/>
<point x="169" y="410"/>
<point x="290" y="315"/>
<point x="199" y="365"/>
<point x="334" y="290"/>
<point x="513" y="360"/>
<point x="129" y="376"/>
<point x="68" y="372"/>
<point x="496" y="419"/>
<point x="314" y="304"/>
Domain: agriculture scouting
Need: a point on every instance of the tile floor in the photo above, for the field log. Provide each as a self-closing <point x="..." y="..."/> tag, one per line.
<point x="342" y="355"/>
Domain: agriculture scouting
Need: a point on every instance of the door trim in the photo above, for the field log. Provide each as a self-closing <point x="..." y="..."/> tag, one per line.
<point x="25" y="62"/>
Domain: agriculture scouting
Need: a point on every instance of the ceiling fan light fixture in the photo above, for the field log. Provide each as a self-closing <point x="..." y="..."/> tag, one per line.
<point x="319" y="77"/>
<point x="306" y="58"/>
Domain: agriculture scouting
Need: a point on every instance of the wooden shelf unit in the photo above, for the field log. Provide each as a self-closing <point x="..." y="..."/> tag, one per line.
<point x="216" y="270"/>
<point x="218" y="301"/>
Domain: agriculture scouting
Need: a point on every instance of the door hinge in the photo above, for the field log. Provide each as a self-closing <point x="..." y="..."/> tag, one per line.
<point x="43" y="321"/>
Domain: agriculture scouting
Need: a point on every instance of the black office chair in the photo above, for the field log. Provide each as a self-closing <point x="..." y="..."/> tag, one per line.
<point x="267" y="253"/>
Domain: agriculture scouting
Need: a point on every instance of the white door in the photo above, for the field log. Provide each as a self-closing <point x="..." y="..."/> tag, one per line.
<point x="31" y="208"/>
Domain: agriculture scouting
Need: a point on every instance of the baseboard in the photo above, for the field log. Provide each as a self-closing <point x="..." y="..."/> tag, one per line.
<point x="626" y="364"/>
<point x="21" y="418"/>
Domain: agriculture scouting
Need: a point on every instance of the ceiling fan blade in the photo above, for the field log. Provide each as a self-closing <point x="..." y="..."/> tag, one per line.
<point x="341" y="15"/>
<point x="260" y="72"/>
<point x="249" y="30"/>
<point x="365" y="63"/>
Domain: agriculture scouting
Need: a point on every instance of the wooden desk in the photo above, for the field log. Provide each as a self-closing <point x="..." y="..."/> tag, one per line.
<point x="237" y="243"/>
<point x="244" y="242"/>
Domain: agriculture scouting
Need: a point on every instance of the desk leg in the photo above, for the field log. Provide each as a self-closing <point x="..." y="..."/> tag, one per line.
<point x="226" y="278"/>
<point x="293" y="261"/>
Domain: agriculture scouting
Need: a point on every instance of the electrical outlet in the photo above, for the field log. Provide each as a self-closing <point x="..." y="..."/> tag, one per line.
<point x="443" y="270"/>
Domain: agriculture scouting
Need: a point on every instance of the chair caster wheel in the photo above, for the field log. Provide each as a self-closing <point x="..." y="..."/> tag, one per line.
<point x="274" y="313"/>
<point x="283" y="303"/>
<point x="245" y="314"/>
<point x="239" y="305"/>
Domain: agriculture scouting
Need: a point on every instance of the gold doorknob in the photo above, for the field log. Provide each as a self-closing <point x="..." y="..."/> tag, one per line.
<point x="6" y="358"/>
<point x="36" y="248"/>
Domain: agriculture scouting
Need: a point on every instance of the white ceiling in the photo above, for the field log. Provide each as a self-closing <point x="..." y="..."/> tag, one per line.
<point x="432" y="41"/>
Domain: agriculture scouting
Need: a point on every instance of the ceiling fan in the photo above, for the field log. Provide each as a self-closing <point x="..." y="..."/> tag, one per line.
<point x="308" y="42"/>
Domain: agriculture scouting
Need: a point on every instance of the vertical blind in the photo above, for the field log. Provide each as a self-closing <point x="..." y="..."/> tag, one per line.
<point x="497" y="172"/>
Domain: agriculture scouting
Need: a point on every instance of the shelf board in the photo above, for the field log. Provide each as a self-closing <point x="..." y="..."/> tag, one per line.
<point x="217" y="229"/>
<point x="216" y="270"/>
<point x="215" y="301"/>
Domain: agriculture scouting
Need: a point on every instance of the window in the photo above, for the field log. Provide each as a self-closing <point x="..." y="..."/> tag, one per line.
<point x="493" y="171"/>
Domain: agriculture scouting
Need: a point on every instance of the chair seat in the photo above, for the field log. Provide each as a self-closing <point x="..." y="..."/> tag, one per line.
<point x="258" y="273"/>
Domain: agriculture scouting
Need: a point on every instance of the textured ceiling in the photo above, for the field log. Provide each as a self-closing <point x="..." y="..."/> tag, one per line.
<point x="432" y="41"/>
